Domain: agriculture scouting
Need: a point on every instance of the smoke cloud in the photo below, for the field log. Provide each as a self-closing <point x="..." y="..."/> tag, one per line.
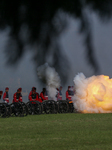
<point x="51" y="78"/>
<point x="93" y="94"/>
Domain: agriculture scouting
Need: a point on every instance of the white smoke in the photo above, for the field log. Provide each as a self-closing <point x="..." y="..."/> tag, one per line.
<point x="51" y="78"/>
<point x="93" y="94"/>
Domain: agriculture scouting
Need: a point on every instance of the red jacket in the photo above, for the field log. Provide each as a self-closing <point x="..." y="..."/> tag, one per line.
<point x="20" y="98"/>
<point x="29" y="95"/>
<point x="34" y="97"/>
<point x="59" y="95"/>
<point x="43" y="96"/>
<point x="6" y="97"/>
<point x="68" y="95"/>
<point x="17" y="97"/>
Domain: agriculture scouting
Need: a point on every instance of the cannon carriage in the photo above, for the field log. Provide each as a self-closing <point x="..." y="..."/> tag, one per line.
<point x="62" y="106"/>
<point x="36" y="108"/>
<point x="5" y="110"/>
<point x="71" y="108"/>
<point x="49" y="106"/>
<point x="19" y="109"/>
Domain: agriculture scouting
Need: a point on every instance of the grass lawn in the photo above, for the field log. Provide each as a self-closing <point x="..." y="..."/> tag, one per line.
<point x="57" y="132"/>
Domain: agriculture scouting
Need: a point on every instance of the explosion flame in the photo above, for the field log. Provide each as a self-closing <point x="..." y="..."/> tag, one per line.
<point x="93" y="94"/>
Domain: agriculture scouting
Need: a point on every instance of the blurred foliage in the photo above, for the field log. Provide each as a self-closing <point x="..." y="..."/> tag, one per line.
<point x="40" y="23"/>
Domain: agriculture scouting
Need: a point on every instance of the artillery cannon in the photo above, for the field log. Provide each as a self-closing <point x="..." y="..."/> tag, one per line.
<point x="34" y="107"/>
<point x="19" y="109"/>
<point x="71" y="108"/>
<point x="62" y="106"/>
<point x="49" y="106"/>
<point x="5" y="110"/>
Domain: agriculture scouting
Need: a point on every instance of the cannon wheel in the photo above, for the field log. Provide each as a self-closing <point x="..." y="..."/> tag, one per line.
<point x="56" y="107"/>
<point x="62" y="106"/>
<point x="17" y="109"/>
<point x="3" y="110"/>
<point x="9" y="110"/>
<point x="25" y="109"/>
<point x="49" y="106"/>
<point x="38" y="108"/>
<point x="34" y="107"/>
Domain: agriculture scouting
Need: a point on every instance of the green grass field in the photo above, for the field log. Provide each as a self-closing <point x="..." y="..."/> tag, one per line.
<point x="57" y="132"/>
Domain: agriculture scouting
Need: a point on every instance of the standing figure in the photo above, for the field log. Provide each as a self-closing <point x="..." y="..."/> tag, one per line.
<point x="59" y="93"/>
<point x="20" y="97"/>
<point x="6" y="95"/>
<point x="44" y="95"/>
<point x="72" y="90"/>
<point x="68" y="93"/>
<point x="33" y="88"/>
<point x="34" y="96"/>
<point x="17" y="96"/>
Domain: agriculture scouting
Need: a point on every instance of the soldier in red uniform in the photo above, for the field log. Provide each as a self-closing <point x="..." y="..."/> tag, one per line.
<point x="17" y="97"/>
<point x="72" y="90"/>
<point x="33" y="88"/>
<point x="44" y="95"/>
<point x="20" y="97"/>
<point x="68" y="93"/>
<point x="34" y="96"/>
<point x="6" y="95"/>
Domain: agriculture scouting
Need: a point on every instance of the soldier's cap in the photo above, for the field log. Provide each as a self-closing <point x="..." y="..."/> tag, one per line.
<point x="20" y="89"/>
<point x="33" y="88"/>
<point x="6" y="88"/>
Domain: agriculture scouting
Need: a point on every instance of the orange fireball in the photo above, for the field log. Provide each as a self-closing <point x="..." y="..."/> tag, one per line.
<point x="93" y="94"/>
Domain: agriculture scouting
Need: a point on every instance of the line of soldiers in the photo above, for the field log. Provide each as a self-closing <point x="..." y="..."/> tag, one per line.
<point x="17" y="97"/>
<point x="34" y="96"/>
